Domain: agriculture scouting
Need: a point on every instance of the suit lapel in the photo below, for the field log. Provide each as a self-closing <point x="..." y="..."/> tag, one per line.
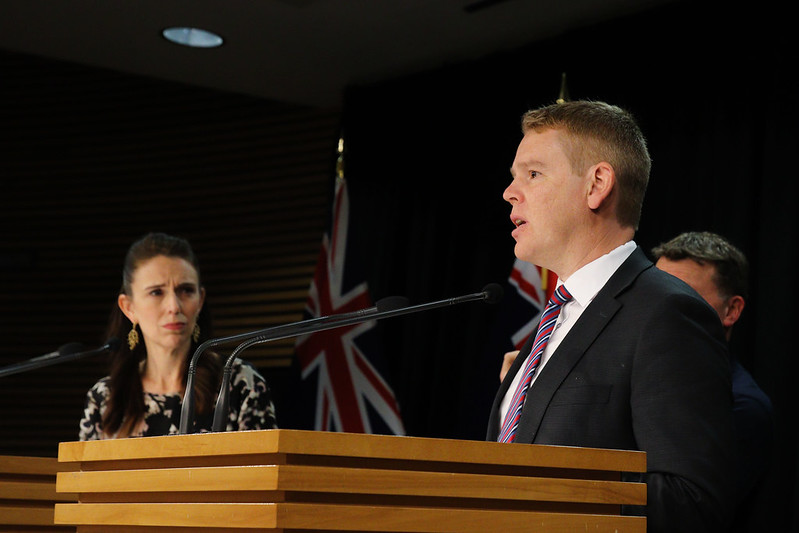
<point x="582" y="335"/>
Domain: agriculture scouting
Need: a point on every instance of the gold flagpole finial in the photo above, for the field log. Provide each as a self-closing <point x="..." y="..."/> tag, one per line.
<point x="564" y="91"/>
<point x="340" y="159"/>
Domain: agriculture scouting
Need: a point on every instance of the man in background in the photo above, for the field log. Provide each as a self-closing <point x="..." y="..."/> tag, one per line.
<point x="719" y="272"/>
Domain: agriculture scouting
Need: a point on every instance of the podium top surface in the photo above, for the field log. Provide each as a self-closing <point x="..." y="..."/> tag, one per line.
<point x="350" y="445"/>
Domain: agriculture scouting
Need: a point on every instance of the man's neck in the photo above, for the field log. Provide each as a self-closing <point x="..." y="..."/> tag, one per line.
<point x="593" y="250"/>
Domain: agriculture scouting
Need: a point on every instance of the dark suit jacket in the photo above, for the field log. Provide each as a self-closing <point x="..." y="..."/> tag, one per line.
<point x="645" y="367"/>
<point x="753" y="419"/>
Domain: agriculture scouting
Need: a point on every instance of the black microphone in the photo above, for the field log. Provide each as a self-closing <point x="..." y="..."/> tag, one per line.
<point x="491" y="293"/>
<point x="67" y="352"/>
<point x="286" y="330"/>
<point x="222" y="408"/>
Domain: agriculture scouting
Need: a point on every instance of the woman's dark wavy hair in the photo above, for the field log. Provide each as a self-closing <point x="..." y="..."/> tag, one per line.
<point x="125" y="407"/>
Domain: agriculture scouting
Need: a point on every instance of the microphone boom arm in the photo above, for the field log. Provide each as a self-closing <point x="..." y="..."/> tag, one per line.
<point x="491" y="294"/>
<point x="68" y="352"/>
<point x="281" y="332"/>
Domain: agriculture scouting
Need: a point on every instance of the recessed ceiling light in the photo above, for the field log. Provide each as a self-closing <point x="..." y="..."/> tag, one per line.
<point x="192" y="37"/>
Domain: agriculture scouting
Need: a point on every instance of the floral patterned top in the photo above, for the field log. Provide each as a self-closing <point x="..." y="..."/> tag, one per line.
<point x="250" y="407"/>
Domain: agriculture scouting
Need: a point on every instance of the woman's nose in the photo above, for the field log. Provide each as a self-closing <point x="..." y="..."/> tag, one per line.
<point x="174" y="302"/>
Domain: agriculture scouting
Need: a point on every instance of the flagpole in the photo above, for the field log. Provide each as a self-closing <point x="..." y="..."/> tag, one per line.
<point x="564" y="91"/>
<point x="563" y="96"/>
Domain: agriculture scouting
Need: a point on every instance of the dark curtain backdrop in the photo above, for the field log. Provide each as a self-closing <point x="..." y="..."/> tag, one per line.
<point x="428" y="159"/>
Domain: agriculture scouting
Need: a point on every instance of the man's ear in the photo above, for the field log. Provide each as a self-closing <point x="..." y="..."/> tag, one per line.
<point x="125" y="304"/>
<point x="601" y="182"/>
<point x="732" y="310"/>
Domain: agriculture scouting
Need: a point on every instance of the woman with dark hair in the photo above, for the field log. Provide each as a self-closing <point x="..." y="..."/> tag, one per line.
<point x="159" y="312"/>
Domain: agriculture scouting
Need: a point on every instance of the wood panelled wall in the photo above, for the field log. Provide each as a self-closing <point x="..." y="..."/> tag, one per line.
<point x="92" y="159"/>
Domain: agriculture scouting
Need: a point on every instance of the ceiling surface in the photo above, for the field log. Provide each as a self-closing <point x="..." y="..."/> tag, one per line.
<point x="295" y="51"/>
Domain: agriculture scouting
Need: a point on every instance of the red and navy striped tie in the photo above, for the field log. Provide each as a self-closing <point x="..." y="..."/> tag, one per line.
<point x="548" y="319"/>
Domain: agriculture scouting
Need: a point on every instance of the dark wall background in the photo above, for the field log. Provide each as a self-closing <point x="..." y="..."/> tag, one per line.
<point x="427" y="160"/>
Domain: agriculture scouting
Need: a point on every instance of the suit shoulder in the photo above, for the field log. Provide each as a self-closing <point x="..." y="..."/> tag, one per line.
<point x="638" y="278"/>
<point x="657" y="295"/>
<point x="657" y="284"/>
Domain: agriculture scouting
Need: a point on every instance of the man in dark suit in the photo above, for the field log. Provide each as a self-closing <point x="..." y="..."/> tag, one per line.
<point x="635" y="358"/>
<point x="719" y="272"/>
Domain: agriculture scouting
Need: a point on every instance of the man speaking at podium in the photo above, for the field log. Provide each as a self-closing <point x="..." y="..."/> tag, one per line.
<point x="626" y="356"/>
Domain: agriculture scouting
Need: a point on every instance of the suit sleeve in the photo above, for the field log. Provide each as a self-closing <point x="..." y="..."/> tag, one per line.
<point x="682" y="416"/>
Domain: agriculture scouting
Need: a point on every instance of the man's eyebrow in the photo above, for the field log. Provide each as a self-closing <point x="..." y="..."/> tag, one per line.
<point x="531" y="163"/>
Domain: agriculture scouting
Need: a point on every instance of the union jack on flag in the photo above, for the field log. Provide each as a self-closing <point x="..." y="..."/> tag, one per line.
<point x="350" y="394"/>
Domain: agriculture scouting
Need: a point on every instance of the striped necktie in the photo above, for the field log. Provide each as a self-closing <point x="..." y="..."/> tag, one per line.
<point x="548" y="320"/>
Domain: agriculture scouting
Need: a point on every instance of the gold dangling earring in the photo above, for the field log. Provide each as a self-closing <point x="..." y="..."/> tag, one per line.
<point x="196" y="333"/>
<point x="133" y="337"/>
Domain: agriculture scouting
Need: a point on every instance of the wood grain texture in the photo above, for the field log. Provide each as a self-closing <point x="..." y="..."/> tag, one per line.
<point x="28" y="493"/>
<point x="290" y="517"/>
<point x="343" y="445"/>
<point x="351" y="481"/>
<point x="291" y="480"/>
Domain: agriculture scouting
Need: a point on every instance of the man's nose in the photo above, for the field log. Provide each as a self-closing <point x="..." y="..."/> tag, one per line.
<point x="510" y="195"/>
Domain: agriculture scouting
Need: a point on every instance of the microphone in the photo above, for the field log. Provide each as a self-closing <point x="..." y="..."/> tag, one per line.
<point x="280" y="332"/>
<point x="491" y="294"/>
<point x="222" y="408"/>
<point x="67" y="352"/>
<point x="66" y="349"/>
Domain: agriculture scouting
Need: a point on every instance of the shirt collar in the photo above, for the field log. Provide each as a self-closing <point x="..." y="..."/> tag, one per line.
<point x="586" y="282"/>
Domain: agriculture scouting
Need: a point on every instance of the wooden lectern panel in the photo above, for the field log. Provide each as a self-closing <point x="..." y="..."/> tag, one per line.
<point x="28" y="494"/>
<point x="288" y="480"/>
<point x="358" y="518"/>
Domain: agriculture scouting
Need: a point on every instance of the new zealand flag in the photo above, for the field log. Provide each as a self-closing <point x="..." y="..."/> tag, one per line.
<point x="340" y="368"/>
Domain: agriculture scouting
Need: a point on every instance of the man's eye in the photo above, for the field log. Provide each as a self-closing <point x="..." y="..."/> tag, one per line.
<point x="533" y="174"/>
<point x="155" y="292"/>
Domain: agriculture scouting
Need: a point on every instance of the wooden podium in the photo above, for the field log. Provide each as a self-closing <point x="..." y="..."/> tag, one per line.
<point x="28" y="494"/>
<point x="289" y="480"/>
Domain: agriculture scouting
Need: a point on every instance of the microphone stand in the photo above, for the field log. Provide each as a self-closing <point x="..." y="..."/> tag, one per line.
<point x="280" y="332"/>
<point x="222" y="408"/>
<point x="68" y="352"/>
<point x="491" y="293"/>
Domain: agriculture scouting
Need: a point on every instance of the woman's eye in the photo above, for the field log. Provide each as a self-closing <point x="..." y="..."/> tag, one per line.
<point x="155" y="292"/>
<point x="533" y="174"/>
